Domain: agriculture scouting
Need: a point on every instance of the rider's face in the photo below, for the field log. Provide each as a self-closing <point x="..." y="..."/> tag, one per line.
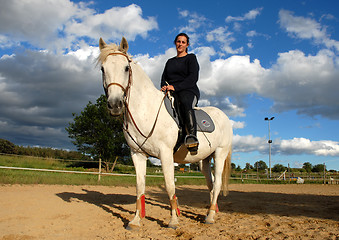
<point x="181" y="44"/>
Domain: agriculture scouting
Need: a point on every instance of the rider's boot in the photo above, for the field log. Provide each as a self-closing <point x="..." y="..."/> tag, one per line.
<point x="191" y="140"/>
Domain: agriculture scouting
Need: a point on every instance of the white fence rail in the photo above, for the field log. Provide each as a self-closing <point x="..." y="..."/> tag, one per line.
<point x="326" y="179"/>
<point x="330" y="180"/>
<point x="92" y="173"/>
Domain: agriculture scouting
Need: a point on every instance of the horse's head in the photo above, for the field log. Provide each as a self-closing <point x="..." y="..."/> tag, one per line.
<point x="116" y="74"/>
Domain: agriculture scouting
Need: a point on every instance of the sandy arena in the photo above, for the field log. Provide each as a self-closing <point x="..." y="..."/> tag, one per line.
<point x="97" y="212"/>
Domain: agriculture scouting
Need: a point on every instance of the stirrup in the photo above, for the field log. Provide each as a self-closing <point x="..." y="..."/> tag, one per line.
<point x="191" y="142"/>
<point x="193" y="150"/>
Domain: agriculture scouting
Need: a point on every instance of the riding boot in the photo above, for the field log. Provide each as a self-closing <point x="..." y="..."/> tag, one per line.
<point x="191" y="140"/>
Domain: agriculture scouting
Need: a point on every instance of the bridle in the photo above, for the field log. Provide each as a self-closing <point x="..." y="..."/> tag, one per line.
<point x="127" y="112"/>
<point x="125" y="90"/>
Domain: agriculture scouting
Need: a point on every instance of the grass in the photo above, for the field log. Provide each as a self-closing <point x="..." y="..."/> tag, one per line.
<point x="34" y="177"/>
<point x="11" y="176"/>
<point x="8" y="176"/>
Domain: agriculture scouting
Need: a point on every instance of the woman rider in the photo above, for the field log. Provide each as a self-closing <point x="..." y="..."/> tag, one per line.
<point x="180" y="75"/>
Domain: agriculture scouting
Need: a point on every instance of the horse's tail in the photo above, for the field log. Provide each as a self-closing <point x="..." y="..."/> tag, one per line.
<point x="226" y="172"/>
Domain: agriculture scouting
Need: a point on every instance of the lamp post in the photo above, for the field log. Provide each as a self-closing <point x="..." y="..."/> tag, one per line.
<point x="269" y="142"/>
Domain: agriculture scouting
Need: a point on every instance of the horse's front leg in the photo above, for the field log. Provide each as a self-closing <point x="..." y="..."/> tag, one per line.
<point x="167" y="164"/>
<point x="139" y="161"/>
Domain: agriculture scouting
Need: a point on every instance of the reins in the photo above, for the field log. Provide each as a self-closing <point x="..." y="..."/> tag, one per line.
<point x="127" y="112"/>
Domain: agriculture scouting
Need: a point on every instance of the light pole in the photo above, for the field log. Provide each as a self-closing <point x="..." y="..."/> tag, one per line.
<point x="269" y="142"/>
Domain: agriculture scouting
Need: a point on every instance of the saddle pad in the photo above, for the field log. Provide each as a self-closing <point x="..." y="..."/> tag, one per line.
<point x="204" y="121"/>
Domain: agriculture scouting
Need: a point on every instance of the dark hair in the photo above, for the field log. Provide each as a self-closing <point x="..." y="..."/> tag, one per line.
<point x="184" y="35"/>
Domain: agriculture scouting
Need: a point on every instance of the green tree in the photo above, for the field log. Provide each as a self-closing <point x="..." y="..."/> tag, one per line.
<point x="97" y="133"/>
<point x="7" y="147"/>
<point x="195" y="166"/>
<point x="238" y="169"/>
<point x="278" y="168"/>
<point x="248" y="166"/>
<point x="318" y="168"/>
<point x="261" y="165"/>
<point x="307" y="166"/>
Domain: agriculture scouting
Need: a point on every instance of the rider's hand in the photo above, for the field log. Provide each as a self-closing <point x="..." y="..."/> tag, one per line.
<point x="167" y="88"/>
<point x="170" y="88"/>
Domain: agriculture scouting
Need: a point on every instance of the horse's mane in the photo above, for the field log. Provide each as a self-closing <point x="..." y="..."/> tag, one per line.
<point x="106" y="51"/>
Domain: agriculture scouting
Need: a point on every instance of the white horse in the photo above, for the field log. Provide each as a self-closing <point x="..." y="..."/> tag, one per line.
<point x="150" y="131"/>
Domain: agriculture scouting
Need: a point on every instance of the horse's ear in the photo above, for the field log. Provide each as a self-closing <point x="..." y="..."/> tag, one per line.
<point x="102" y="44"/>
<point x="123" y="45"/>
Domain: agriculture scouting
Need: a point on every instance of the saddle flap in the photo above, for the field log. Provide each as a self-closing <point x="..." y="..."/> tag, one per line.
<point x="204" y="121"/>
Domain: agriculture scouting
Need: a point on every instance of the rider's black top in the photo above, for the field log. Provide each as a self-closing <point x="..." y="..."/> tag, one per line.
<point x="182" y="73"/>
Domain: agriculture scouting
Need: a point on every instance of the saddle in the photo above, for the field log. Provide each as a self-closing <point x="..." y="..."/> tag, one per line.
<point x="204" y="121"/>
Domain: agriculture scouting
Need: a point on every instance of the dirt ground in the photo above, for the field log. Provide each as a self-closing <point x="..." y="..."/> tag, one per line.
<point x="97" y="212"/>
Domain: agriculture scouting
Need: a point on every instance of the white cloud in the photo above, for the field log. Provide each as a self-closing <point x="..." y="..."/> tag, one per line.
<point x="295" y="146"/>
<point x="219" y="34"/>
<point x="237" y="125"/>
<point x="230" y="108"/>
<point x="224" y="37"/>
<point x="254" y="33"/>
<point x="233" y="76"/>
<point x="327" y="17"/>
<point x="155" y="161"/>
<point x="306" y="146"/>
<point x="113" y="23"/>
<point x="306" y="28"/>
<point x="85" y="53"/>
<point x="248" y="143"/>
<point x="183" y="13"/>
<point x="252" y="14"/>
<point x="251" y="33"/>
<point x="154" y="66"/>
<point x="36" y="21"/>
<point x="57" y="24"/>
<point x="6" y="42"/>
<point x="307" y="84"/>
<point x="195" y="21"/>
<point x="204" y="55"/>
<point x="204" y="103"/>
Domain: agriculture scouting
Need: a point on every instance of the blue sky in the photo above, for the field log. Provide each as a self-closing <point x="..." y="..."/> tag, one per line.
<point x="258" y="59"/>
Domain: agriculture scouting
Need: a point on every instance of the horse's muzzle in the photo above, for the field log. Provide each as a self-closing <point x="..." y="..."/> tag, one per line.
<point x="115" y="107"/>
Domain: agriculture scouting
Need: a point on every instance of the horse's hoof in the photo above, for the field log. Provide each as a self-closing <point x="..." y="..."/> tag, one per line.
<point x="209" y="221"/>
<point x="131" y="227"/>
<point x="172" y="226"/>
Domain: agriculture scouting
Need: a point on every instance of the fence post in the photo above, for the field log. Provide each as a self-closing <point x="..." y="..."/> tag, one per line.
<point x="324" y="173"/>
<point x="99" y="175"/>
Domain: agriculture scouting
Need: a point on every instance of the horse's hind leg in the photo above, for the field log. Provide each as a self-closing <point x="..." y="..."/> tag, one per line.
<point x="139" y="161"/>
<point x="205" y="167"/>
<point x="219" y="162"/>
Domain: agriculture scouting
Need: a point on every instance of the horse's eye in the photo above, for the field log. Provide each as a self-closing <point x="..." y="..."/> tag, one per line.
<point x="127" y="69"/>
<point x="102" y="69"/>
